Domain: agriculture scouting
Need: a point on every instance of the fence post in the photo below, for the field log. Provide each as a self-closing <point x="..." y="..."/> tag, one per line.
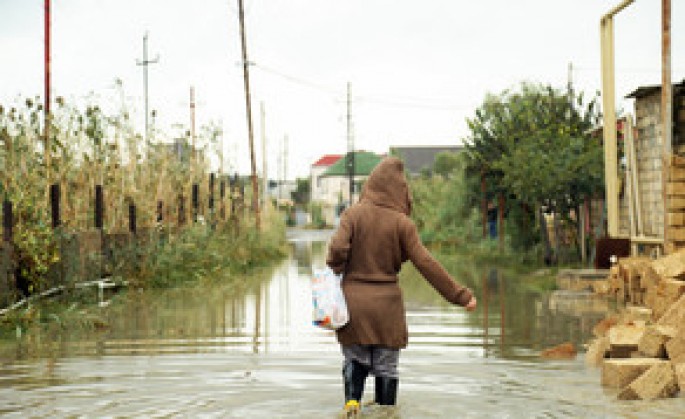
<point x="7" y="282"/>
<point x="211" y="193"/>
<point x="99" y="208"/>
<point x="222" y="196"/>
<point x="132" y="217"/>
<point x="196" y="201"/>
<point x="54" y="204"/>
<point x="7" y="221"/>
<point x="160" y="211"/>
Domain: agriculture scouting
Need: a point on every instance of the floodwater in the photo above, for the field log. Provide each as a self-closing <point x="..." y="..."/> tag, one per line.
<point x="214" y="352"/>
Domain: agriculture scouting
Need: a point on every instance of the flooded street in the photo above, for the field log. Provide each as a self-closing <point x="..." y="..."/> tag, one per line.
<point x="253" y="353"/>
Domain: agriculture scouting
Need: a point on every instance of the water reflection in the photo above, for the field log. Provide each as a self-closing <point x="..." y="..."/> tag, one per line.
<point x="251" y="351"/>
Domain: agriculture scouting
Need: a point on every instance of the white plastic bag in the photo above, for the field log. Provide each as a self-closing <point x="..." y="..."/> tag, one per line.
<point x="329" y="309"/>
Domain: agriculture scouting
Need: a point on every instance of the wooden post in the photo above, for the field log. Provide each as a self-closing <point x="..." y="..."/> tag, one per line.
<point x="196" y="201"/>
<point x="666" y="104"/>
<point x="484" y="204"/>
<point x="7" y="221"/>
<point x="222" y="197"/>
<point x="248" y="107"/>
<point x="160" y="211"/>
<point x="211" y="193"/>
<point x="500" y="221"/>
<point x="132" y="218"/>
<point x="99" y="207"/>
<point x="55" y="204"/>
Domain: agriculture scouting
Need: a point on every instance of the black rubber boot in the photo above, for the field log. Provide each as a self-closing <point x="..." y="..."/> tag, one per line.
<point x="354" y="375"/>
<point x="386" y="390"/>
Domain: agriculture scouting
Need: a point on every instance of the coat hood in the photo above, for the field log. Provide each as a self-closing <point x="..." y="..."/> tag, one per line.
<point x="387" y="186"/>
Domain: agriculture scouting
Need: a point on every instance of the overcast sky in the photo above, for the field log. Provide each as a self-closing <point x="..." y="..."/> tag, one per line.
<point x="417" y="69"/>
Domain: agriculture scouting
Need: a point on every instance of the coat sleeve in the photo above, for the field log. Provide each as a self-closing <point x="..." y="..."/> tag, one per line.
<point x="430" y="268"/>
<point x="339" y="246"/>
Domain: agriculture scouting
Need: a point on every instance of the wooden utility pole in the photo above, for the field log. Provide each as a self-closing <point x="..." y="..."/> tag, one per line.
<point x="46" y="114"/>
<point x="193" y="160"/>
<point x="248" y="106"/>
<point x="349" y="163"/>
<point x="265" y="178"/>
<point x="145" y="63"/>
<point x="666" y="104"/>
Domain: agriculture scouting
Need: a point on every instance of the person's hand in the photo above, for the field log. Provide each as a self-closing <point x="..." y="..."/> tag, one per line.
<point x="472" y="304"/>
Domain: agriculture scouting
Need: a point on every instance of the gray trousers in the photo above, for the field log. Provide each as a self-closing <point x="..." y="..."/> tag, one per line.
<point x="381" y="361"/>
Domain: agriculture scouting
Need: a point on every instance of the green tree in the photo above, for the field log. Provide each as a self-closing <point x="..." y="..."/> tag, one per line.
<point x="532" y="146"/>
<point x="302" y="191"/>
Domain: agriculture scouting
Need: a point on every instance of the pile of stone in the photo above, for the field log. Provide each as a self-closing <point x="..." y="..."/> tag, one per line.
<point x="641" y="350"/>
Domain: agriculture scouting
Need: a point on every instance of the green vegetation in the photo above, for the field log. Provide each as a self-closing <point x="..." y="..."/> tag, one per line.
<point x="86" y="148"/>
<point x="531" y="150"/>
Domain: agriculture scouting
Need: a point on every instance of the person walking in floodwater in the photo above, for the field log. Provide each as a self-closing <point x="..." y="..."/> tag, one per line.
<point x="374" y="238"/>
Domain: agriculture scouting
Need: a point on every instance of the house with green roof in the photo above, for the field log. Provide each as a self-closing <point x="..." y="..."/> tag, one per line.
<point x="335" y="182"/>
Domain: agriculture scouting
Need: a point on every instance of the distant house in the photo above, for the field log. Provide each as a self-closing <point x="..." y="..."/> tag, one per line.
<point x="322" y="188"/>
<point x="419" y="158"/>
<point x="331" y="187"/>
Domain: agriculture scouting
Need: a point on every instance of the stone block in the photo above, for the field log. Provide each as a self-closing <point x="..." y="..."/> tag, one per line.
<point x="653" y="341"/>
<point x="675" y="348"/>
<point x="674" y="315"/>
<point x="597" y="351"/>
<point x="680" y="374"/>
<point x="618" y="373"/>
<point x="672" y="266"/>
<point x="624" y="339"/>
<point x="675" y="188"/>
<point x="634" y="314"/>
<point x="676" y="219"/>
<point x="658" y="382"/>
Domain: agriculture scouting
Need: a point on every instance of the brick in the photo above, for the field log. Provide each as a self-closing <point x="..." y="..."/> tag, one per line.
<point x="676" y="218"/>
<point x="674" y="315"/>
<point x="658" y="382"/>
<point x="676" y="234"/>
<point x="618" y="373"/>
<point x="597" y="351"/>
<point x="639" y="314"/>
<point x="675" y="188"/>
<point x="680" y="374"/>
<point x="653" y="341"/>
<point x="676" y="202"/>
<point x="678" y="161"/>
<point x="672" y="266"/>
<point x="624" y="339"/>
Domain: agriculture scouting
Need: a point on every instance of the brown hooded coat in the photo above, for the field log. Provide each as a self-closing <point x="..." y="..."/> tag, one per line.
<point x="374" y="238"/>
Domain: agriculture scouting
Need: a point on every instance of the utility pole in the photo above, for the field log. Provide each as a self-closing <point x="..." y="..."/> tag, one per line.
<point x="193" y="161"/>
<point x="248" y="106"/>
<point x="285" y="159"/>
<point x="666" y="105"/>
<point x="265" y="178"/>
<point x="349" y="163"/>
<point x="145" y="63"/>
<point x="46" y="123"/>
